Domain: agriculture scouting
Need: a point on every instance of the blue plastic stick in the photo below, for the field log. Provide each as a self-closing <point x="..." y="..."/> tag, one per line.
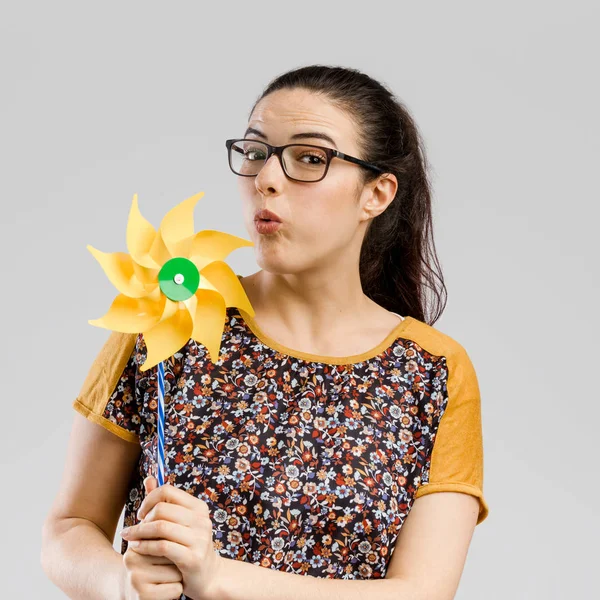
<point x="161" y="425"/>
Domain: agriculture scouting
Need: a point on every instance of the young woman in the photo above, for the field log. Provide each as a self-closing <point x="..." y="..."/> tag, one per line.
<point x="334" y="449"/>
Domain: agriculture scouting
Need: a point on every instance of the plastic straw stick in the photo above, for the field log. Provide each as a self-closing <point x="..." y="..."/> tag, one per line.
<point x="160" y="450"/>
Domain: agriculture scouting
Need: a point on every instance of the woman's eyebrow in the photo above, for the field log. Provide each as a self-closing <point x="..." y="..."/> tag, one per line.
<point x="296" y="136"/>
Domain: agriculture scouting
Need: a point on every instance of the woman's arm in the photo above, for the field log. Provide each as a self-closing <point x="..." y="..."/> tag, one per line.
<point x="78" y="533"/>
<point x="427" y="562"/>
<point x="79" y="559"/>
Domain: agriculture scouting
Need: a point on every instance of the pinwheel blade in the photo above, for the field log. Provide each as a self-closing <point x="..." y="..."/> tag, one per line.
<point x="140" y="237"/>
<point x="223" y="278"/>
<point x="118" y="267"/>
<point x="159" y="251"/>
<point x="177" y="226"/>
<point x="167" y="337"/>
<point x="149" y="277"/>
<point x="210" y="245"/>
<point x="209" y="311"/>
<point x="132" y="315"/>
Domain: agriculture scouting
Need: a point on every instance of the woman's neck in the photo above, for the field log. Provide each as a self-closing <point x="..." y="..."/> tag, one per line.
<point x="323" y="318"/>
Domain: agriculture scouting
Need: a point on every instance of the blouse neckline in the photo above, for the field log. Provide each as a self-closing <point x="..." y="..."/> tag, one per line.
<point x="268" y="341"/>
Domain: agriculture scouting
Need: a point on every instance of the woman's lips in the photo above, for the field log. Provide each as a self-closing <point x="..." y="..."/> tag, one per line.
<point x="266" y="227"/>
<point x="267" y="215"/>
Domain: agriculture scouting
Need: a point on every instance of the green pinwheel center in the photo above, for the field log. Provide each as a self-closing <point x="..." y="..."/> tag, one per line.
<point x="179" y="279"/>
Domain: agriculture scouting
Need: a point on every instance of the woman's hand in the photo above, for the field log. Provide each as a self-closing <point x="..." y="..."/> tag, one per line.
<point x="146" y="578"/>
<point x="151" y="577"/>
<point x="176" y="526"/>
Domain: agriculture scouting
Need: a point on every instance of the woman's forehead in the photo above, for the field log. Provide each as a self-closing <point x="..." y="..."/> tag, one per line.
<point x="284" y="113"/>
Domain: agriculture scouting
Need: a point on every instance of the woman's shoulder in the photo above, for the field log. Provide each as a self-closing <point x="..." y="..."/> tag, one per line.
<point x="433" y="339"/>
<point x="436" y="347"/>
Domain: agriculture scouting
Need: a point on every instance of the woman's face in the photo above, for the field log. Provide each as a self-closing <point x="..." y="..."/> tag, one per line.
<point x="320" y="221"/>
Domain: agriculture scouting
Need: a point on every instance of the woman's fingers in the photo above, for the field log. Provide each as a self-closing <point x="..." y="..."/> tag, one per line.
<point x="155" y="530"/>
<point x="164" y="574"/>
<point x="149" y="579"/>
<point x="159" y="560"/>
<point x="160" y="590"/>
<point x="164" y="511"/>
<point x="177" y="553"/>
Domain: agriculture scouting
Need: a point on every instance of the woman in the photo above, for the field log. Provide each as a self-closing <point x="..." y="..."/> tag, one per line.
<point x="338" y="435"/>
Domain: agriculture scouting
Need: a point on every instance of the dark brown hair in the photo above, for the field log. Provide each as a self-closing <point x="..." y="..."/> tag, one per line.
<point x="398" y="260"/>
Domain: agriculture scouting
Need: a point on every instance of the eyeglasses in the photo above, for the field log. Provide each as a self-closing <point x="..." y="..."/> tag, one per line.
<point x="300" y="162"/>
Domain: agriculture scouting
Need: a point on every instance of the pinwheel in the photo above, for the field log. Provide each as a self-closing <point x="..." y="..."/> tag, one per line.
<point x="174" y="285"/>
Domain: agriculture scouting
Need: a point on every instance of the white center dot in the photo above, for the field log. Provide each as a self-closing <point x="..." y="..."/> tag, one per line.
<point x="178" y="279"/>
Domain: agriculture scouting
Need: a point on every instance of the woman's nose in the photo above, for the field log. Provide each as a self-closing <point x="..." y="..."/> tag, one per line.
<point x="270" y="175"/>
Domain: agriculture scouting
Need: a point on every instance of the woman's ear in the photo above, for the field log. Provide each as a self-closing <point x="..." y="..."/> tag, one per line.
<point x="380" y="194"/>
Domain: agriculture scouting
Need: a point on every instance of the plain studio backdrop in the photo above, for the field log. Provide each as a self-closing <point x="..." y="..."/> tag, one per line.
<point x="100" y="101"/>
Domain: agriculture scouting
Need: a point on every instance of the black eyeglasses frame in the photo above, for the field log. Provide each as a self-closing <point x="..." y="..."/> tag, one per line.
<point x="277" y="151"/>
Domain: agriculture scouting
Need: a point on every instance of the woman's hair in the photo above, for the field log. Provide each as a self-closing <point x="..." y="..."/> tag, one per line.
<point x="398" y="259"/>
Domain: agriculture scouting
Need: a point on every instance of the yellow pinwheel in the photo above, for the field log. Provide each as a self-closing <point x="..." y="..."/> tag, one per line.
<point x="174" y="284"/>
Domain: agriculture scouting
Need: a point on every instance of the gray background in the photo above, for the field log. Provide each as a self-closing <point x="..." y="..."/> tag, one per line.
<point x="100" y="101"/>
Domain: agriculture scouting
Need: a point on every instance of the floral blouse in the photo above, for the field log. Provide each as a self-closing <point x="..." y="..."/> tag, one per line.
<point x="309" y="464"/>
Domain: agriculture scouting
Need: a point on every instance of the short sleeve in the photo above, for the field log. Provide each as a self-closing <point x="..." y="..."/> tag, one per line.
<point x="108" y="395"/>
<point x="456" y="463"/>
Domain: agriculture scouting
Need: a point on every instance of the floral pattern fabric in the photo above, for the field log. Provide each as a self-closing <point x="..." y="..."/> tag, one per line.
<point x="307" y="467"/>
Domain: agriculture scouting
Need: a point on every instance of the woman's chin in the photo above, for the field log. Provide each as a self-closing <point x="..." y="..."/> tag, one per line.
<point x="273" y="263"/>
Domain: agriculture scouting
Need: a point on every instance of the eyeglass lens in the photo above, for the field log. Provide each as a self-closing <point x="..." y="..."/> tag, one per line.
<point x="299" y="161"/>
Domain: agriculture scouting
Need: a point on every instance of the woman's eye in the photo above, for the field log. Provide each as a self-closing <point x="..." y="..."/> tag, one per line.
<point x="319" y="160"/>
<point x="254" y="154"/>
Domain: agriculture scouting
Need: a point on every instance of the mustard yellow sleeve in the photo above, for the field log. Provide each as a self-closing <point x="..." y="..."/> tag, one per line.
<point x="108" y="396"/>
<point x="456" y="463"/>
